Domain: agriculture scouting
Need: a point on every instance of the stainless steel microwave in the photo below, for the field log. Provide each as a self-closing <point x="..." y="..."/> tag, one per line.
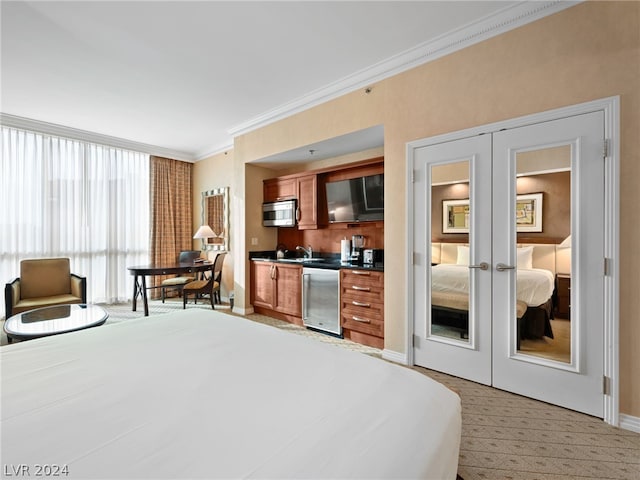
<point x="279" y="214"/>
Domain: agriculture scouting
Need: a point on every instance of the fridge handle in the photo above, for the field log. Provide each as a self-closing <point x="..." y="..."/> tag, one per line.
<point x="304" y="296"/>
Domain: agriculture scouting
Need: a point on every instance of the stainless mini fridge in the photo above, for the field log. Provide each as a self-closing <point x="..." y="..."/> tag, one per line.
<point x="321" y="299"/>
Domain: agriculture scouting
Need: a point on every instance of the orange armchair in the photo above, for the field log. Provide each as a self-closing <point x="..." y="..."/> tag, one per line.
<point x="44" y="282"/>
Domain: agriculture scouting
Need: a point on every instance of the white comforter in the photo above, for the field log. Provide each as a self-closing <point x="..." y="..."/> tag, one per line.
<point x="200" y="394"/>
<point x="533" y="286"/>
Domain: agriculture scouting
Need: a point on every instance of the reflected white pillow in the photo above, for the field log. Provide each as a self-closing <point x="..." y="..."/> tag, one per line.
<point x="463" y="255"/>
<point x="525" y="258"/>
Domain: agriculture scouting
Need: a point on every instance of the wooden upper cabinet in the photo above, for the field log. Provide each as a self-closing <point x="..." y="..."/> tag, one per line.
<point x="276" y="189"/>
<point x="303" y="188"/>
<point x="309" y="189"/>
<point x="307" y="202"/>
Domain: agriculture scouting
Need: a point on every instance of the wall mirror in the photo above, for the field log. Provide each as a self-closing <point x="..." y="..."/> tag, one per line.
<point x="215" y="213"/>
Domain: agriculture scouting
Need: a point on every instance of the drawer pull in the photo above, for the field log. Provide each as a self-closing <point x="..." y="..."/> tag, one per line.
<point x="360" y="272"/>
<point x="359" y="304"/>
<point x="361" y="289"/>
<point x="360" y="319"/>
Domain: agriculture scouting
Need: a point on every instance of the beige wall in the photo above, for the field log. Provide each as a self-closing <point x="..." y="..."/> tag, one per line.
<point x="214" y="172"/>
<point x="584" y="53"/>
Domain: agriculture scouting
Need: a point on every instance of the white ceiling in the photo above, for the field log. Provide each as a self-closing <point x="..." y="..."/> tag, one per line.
<point x="185" y="76"/>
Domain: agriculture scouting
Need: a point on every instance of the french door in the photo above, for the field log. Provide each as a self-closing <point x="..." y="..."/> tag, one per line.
<point x="507" y="226"/>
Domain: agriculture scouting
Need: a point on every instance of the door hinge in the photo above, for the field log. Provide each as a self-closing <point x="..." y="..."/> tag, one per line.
<point x="606" y="385"/>
<point x="605" y="148"/>
<point x="415" y="340"/>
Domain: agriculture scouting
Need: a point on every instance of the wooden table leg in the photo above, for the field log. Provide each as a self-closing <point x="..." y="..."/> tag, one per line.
<point x="135" y="292"/>
<point x="144" y="296"/>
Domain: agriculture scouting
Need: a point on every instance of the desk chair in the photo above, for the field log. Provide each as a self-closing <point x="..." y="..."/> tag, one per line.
<point x="209" y="286"/>
<point x="177" y="283"/>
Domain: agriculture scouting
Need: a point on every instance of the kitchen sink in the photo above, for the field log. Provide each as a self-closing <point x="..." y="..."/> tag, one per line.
<point x="301" y="260"/>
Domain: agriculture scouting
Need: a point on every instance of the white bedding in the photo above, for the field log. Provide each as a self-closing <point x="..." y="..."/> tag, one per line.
<point x="201" y="394"/>
<point x="533" y="286"/>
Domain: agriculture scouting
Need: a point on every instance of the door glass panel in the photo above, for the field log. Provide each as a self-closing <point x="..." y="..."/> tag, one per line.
<point x="543" y="255"/>
<point x="450" y="225"/>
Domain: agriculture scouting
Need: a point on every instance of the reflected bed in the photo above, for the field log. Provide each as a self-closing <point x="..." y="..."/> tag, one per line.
<point x="535" y="289"/>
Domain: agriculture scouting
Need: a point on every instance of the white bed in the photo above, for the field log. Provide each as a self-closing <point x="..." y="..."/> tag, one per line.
<point x="201" y="394"/>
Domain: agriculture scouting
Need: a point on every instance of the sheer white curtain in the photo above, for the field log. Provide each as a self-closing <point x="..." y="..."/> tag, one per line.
<point x="68" y="198"/>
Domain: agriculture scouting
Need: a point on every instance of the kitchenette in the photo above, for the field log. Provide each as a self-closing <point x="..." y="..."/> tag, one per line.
<point x="327" y="270"/>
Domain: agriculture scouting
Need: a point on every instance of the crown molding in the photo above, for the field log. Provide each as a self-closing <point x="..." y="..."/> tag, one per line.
<point x="85" y="136"/>
<point x="490" y="26"/>
<point x="210" y="152"/>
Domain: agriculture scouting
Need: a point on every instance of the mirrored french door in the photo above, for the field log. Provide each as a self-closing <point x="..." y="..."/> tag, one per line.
<point x="508" y="275"/>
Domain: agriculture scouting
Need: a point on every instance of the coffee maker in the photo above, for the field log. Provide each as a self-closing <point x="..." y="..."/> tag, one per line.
<point x="357" y="246"/>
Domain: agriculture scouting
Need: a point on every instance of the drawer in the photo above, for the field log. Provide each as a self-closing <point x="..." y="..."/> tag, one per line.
<point x="362" y="322"/>
<point x="363" y="309"/>
<point x="362" y="293"/>
<point x="361" y="278"/>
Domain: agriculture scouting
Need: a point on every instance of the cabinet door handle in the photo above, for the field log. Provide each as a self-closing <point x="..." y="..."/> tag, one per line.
<point x="360" y="289"/>
<point x="360" y="319"/>
<point x="359" y="304"/>
<point x="360" y="272"/>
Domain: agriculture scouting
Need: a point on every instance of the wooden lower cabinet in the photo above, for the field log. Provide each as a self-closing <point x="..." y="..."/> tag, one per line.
<point x="276" y="290"/>
<point x="362" y="306"/>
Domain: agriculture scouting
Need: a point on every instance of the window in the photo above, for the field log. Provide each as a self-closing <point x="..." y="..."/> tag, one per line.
<point x="68" y="198"/>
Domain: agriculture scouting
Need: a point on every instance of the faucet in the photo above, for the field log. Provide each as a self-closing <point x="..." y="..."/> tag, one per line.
<point x="308" y="252"/>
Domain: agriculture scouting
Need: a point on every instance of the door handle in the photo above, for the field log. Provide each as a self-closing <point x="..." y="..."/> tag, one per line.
<point x="481" y="266"/>
<point x="501" y="267"/>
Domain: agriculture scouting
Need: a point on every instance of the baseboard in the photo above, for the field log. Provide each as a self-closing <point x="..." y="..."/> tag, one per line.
<point x="242" y="311"/>
<point x="394" y="356"/>
<point x="629" y="422"/>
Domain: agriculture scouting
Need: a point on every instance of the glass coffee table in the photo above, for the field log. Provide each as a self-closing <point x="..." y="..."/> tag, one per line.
<point x="53" y="320"/>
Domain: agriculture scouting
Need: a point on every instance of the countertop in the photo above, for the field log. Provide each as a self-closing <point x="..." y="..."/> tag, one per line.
<point x="327" y="261"/>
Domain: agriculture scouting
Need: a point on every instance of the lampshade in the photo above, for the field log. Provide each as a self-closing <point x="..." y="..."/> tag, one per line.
<point x="204" y="232"/>
<point x="566" y="243"/>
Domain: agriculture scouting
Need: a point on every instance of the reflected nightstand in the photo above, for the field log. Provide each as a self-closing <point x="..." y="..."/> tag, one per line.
<point x="563" y="284"/>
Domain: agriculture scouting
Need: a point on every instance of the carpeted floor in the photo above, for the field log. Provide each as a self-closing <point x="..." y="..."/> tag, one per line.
<point x="504" y="436"/>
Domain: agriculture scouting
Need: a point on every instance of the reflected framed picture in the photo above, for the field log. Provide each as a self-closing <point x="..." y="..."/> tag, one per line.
<point x="455" y="216"/>
<point x="529" y="212"/>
